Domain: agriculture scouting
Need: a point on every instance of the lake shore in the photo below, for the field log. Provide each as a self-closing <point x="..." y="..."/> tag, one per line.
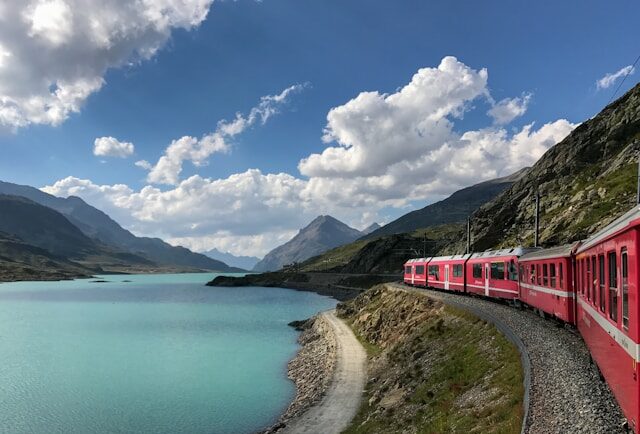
<point x="329" y="372"/>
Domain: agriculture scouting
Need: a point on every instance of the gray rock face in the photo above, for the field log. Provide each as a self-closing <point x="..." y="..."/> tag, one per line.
<point x="322" y="234"/>
<point x="455" y="208"/>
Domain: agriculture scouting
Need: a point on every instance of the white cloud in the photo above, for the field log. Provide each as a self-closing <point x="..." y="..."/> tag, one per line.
<point x="383" y="151"/>
<point x="168" y="168"/>
<point x="143" y="164"/>
<point x="112" y="147"/>
<point x="610" y="78"/>
<point x="60" y="50"/>
<point x="508" y="109"/>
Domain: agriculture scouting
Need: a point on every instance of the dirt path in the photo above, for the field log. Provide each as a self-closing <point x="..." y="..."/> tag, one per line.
<point x="334" y="412"/>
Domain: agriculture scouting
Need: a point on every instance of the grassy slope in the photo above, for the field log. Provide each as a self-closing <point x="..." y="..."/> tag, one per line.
<point x="433" y="368"/>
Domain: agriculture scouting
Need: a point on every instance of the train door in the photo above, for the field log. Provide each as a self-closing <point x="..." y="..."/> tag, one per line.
<point x="413" y="275"/>
<point x="446" y="276"/>
<point x="486" y="279"/>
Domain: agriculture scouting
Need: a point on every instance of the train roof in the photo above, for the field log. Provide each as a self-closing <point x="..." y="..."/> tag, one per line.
<point x="450" y="258"/>
<point x="411" y="261"/>
<point x="611" y="229"/>
<point x="552" y="252"/>
<point x="514" y="251"/>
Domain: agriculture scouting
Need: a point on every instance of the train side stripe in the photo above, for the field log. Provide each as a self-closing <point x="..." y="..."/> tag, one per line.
<point x="548" y="290"/>
<point x="632" y="348"/>
<point x="492" y="289"/>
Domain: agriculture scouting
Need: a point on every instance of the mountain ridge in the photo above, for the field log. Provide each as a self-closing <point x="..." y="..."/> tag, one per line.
<point x="323" y="233"/>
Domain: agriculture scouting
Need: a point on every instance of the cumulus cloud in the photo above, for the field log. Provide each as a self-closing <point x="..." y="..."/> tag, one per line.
<point x="382" y="150"/>
<point x="168" y="168"/>
<point x="54" y="53"/>
<point x="610" y="78"/>
<point x="112" y="147"/>
<point x="508" y="109"/>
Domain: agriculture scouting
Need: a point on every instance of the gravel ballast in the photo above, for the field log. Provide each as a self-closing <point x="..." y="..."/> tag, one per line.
<point x="566" y="392"/>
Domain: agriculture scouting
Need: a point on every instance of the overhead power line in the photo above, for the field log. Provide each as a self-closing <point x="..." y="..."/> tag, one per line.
<point x="623" y="79"/>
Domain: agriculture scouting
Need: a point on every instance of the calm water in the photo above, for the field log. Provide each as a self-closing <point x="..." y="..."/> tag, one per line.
<point x="159" y="354"/>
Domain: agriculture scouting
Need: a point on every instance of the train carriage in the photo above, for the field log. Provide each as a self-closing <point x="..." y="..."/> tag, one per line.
<point x="607" y="308"/>
<point x="415" y="272"/>
<point x="494" y="273"/>
<point x="546" y="281"/>
<point x="447" y="272"/>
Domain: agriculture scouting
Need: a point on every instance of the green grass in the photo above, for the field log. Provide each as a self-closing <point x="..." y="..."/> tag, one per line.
<point x="469" y="354"/>
<point x="335" y="257"/>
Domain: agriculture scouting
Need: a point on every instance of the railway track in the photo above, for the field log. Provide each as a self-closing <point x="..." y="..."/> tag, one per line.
<point x="565" y="392"/>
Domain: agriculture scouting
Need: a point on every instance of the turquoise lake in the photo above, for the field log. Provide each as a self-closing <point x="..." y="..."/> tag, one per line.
<point x="158" y="354"/>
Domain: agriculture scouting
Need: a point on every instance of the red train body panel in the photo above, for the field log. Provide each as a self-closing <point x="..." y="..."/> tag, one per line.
<point x="494" y="273"/>
<point x="546" y="281"/>
<point x="607" y="309"/>
<point x="447" y="272"/>
<point x="415" y="272"/>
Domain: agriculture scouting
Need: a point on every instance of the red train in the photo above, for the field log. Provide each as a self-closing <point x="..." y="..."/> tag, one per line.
<point x="591" y="284"/>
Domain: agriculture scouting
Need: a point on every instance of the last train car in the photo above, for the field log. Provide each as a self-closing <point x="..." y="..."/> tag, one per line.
<point x="415" y="273"/>
<point x="494" y="273"/>
<point x="546" y="281"/>
<point x="607" y="309"/>
<point x="447" y="272"/>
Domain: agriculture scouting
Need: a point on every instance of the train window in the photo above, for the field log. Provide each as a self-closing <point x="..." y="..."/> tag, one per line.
<point x="457" y="270"/>
<point x="522" y="276"/>
<point x="532" y="272"/>
<point x="512" y="271"/>
<point x="552" y="275"/>
<point x="538" y="275"/>
<point x="545" y="276"/>
<point x="594" y="281"/>
<point x="497" y="270"/>
<point x="407" y="269"/>
<point x="588" y="284"/>
<point x="601" y="281"/>
<point x="625" y="289"/>
<point x="433" y="271"/>
<point x="561" y="275"/>
<point x="613" y="284"/>
<point x="477" y="271"/>
<point x="420" y="270"/>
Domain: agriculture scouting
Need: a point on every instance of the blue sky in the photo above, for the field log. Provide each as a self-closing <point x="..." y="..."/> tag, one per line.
<point x="205" y="70"/>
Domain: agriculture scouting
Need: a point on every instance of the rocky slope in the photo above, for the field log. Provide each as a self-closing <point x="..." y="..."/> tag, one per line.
<point x="371" y="228"/>
<point x="456" y="208"/>
<point x="97" y="225"/>
<point x="322" y="234"/>
<point x="585" y="182"/>
<point x="22" y="261"/>
<point x="433" y="368"/>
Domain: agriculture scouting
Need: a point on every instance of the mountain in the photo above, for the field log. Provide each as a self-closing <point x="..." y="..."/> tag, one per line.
<point x="372" y="227"/>
<point x="585" y="181"/>
<point x="98" y="225"/>
<point x="455" y="208"/>
<point x="244" y="262"/>
<point x="22" y="261"/>
<point x="322" y="234"/>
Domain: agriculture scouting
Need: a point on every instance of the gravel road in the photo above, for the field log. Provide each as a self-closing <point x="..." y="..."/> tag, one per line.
<point x="342" y="400"/>
<point x="566" y="395"/>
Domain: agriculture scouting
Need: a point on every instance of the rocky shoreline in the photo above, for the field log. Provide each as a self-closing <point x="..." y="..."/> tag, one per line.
<point x="311" y="369"/>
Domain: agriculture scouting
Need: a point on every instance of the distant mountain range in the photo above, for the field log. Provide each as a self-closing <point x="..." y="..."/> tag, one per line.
<point x="455" y="208"/>
<point x="371" y="228"/>
<point x="73" y="230"/>
<point x="322" y="234"/>
<point x="244" y="262"/>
